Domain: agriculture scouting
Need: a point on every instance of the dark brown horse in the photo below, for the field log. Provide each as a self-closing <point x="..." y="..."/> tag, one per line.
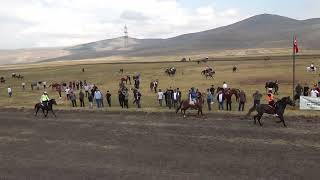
<point x="184" y="105"/>
<point x="265" y="108"/>
<point x="125" y="79"/>
<point x="233" y="91"/>
<point x="45" y="109"/>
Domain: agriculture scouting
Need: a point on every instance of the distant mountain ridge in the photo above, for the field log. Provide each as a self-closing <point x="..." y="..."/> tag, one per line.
<point x="260" y="31"/>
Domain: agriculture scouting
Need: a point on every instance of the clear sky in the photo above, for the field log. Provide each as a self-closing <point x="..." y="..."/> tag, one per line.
<point x="52" y="23"/>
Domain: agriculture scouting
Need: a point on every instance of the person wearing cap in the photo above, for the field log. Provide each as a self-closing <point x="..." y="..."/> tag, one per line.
<point x="44" y="99"/>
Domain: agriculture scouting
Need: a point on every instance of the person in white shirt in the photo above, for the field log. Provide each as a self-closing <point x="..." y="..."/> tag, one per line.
<point x="224" y="86"/>
<point x="160" y="97"/>
<point x="23" y="86"/>
<point x="86" y="89"/>
<point x="314" y="93"/>
<point x="175" y="98"/>
<point x="67" y="90"/>
<point x="9" y="91"/>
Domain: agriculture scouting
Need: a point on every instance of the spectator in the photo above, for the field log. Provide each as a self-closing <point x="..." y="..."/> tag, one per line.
<point x="108" y="96"/>
<point x="78" y="85"/>
<point x="169" y="96"/>
<point x="9" y="91"/>
<point x="44" y="85"/>
<point x="126" y="99"/>
<point x="59" y="89"/>
<point x="160" y="97"/>
<point x="86" y="89"/>
<point x="97" y="97"/>
<point x="306" y="90"/>
<point x="102" y="100"/>
<point x="137" y="98"/>
<point x="90" y="99"/>
<point x="73" y="99"/>
<point x="67" y="91"/>
<point x="23" y="86"/>
<point x="228" y="97"/>
<point x="175" y="98"/>
<point x="298" y="90"/>
<point x="81" y="98"/>
<point x="220" y="99"/>
<point x="179" y="95"/>
<point x="224" y="86"/>
<point x="256" y="98"/>
<point x="209" y="99"/>
<point x="242" y="100"/>
<point x="212" y="90"/>
<point x="314" y="93"/>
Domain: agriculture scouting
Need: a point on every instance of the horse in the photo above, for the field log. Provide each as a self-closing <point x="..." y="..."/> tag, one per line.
<point x="272" y="85"/>
<point x="125" y="79"/>
<point x="184" y="105"/>
<point x="171" y="71"/>
<point x="47" y="109"/>
<point x="20" y="77"/>
<point x="154" y="85"/>
<point x="266" y="108"/>
<point x="233" y="91"/>
<point x="13" y="75"/>
<point x="55" y="86"/>
<point x="121" y="71"/>
<point x="309" y="69"/>
<point x="2" y="80"/>
<point x="234" y="69"/>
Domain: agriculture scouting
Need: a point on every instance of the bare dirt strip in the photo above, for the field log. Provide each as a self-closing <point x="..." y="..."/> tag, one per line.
<point x="104" y="145"/>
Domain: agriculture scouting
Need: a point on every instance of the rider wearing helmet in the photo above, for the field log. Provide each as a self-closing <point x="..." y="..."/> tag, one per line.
<point x="271" y="101"/>
<point x="44" y="99"/>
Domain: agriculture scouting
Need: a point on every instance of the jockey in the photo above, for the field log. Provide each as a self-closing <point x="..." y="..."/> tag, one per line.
<point x="271" y="102"/>
<point x="44" y="99"/>
<point x="193" y="96"/>
<point x="312" y="66"/>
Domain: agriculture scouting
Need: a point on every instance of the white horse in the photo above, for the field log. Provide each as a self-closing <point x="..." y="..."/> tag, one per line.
<point x="309" y="69"/>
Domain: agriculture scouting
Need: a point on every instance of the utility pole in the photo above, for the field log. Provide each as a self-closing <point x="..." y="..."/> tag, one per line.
<point x="126" y="37"/>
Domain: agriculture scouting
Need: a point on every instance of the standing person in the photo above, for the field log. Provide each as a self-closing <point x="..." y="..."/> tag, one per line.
<point x="81" y="98"/>
<point x="228" y="97"/>
<point x="160" y="97"/>
<point x="97" y="97"/>
<point x="175" y="98"/>
<point x="220" y="99"/>
<point x="193" y="96"/>
<point x="209" y="99"/>
<point x="179" y="95"/>
<point x="73" y="99"/>
<point x="108" y="96"/>
<point x="242" y="100"/>
<point x="86" y="89"/>
<point x="67" y="91"/>
<point x="314" y="93"/>
<point x="298" y="91"/>
<point x="165" y="97"/>
<point x="121" y="98"/>
<point x="90" y="99"/>
<point x="102" y="99"/>
<point x="126" y="98"/>
<point x="78" y="85"/>
<point x="306" y="90"/>
<point x="256" y="101"/>
<point x="59" y="89"/>
<point x="23" y="84"/>
<point x="169" y="98"/>
<point x="212" y="90"/>
<point x="81" y="84"/>
<point x="138" y="98"/>
<point x="9" y="91"/>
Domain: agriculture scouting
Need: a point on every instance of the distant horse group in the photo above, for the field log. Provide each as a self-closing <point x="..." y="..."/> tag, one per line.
<point x="208" y="72"/>
<point x="171" y="71"/>
<point x="2" y="80"/>
<point x="17" y="76"/>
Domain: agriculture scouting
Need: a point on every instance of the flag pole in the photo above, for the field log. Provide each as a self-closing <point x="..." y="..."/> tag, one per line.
<point x="293" y="67"/>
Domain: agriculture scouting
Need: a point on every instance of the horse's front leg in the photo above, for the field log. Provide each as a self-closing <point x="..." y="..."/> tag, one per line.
<point x="282" y="120"/>
<point x="36" y="112"/>
<point x="53" y="113"/>
<point x="259" y="118"/>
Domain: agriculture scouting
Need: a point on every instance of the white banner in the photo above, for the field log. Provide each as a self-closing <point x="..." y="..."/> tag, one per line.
<point x="309" y="103"/>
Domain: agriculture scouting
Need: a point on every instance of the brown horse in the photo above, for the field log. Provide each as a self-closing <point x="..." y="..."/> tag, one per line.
<point x="233" y="91"/>
<point x="125" y="79"/>
<point x="184" y="105"/>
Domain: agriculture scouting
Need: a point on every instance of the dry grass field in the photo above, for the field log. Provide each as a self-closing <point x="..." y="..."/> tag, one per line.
<point x="251" y="75"/>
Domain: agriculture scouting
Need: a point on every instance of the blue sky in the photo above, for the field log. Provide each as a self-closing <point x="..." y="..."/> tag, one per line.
<point x="52" y="23"/>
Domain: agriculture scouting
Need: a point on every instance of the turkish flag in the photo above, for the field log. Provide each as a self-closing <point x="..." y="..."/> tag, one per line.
<point x="295" y="46"/>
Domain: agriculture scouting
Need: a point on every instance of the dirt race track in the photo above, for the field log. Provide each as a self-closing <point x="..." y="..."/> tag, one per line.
<point x="152" y="146"/>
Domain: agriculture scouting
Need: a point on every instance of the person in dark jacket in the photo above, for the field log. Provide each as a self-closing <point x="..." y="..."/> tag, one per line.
<point x="209" y="99"/>
<point x="73" y="99"/>
<point x="108" y="97"/>
<point x="228" y="97"/>
<point x="242" y="100"/>
<point x="81" y="98"/>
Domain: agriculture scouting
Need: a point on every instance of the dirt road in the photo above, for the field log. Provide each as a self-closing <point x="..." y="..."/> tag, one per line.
<point x="102" y="145"/>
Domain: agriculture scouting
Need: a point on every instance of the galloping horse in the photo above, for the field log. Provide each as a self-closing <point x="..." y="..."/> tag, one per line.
<point x="125" y="79"/>
<point x="234" y="69"/>
<point x="309" y="69"/>
<point x="55" y="86"/>
<point x="272" y="85"/>
<point x="184" y="105"/>
<point x="154" y="85"/>
<point x="2" y="80"/>
<point x="46" y="110"/>
<point x="265" y="108"/>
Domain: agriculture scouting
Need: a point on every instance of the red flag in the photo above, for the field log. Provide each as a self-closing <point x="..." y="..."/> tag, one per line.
<point x="295" y="45"/>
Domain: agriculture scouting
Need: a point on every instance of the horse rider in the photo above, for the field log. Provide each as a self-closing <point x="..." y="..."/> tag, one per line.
<point x="44" y="99"/>
<point x="193" y="95"/>
<point x="312" y="66"/>
<point x="271" y="101"/>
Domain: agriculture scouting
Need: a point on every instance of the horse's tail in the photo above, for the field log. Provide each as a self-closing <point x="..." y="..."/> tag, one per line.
<point x="35" y="106"/>
<point x="179" y="107"/>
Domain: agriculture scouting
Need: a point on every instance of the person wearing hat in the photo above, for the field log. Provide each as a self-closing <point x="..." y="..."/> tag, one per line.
<point x="44" y="99"/>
